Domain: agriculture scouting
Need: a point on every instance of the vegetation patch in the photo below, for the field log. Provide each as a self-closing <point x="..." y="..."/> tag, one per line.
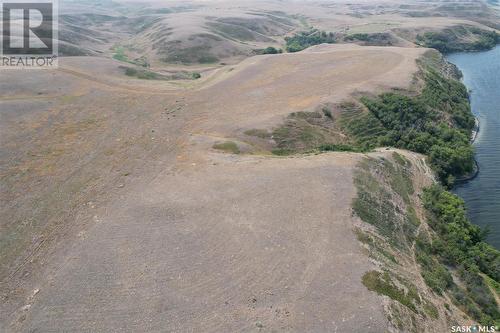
<point x="453" y="257"/>
<point x="435" y="274"/>
<point x="431" y="310"/>
<point x="383" y="200"/>
<point x="494" y="285"/>
<point x="459" y="38"/>
<point x="372" y="39"/>
<point x="339" y="147"/>
<point x="382" y="284"/>
<point x="305" y="39"/>
<point x="228" y="147"/>
<point x="437" y="123"/>
<point x="145" y="74"/>
<point x="363" y="129"/>
<point x="119" y="54"/>
<point x="260" y="133"/>
<point x="307" y="131"/>
<point x="401" y="160"/>
<point x="376" y="246"/>
<point x="268" y="50"/>
<point x="461" y="245"/>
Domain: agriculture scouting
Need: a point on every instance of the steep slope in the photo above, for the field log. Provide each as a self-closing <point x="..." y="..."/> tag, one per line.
<point x="425" y="286"/>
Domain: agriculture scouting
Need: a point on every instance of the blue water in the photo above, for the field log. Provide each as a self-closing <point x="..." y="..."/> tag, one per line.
<point x="482" y="195"/>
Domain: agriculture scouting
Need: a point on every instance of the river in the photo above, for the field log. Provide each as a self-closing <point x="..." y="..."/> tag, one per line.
<point x="481" y="72"/>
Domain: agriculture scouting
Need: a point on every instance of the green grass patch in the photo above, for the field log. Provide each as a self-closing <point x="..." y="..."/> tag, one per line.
<point x="120" y="55"/>
<point x="431" y="310"/>
<point x="228" y="147"/>
<point x="411" y="216"/>
<point x="143" y="74"/>
<point x="400" y="159"/>
<point x="382" y="284"/>
<point x="306" y="131"/>
<point x="375" y="245"/>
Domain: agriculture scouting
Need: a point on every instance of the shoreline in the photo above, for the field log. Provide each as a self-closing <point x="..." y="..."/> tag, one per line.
<point x="475" y="171"/>
<point x="475" y="130"/>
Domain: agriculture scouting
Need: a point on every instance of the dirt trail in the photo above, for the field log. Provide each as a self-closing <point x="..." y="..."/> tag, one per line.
<point x="157" y="233"/>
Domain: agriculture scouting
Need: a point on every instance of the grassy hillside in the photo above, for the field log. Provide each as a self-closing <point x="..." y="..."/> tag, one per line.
<point x="426" y="240"/>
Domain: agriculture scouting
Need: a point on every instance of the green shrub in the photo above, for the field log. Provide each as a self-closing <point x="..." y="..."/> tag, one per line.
<point x="304" y="39"/>
<point x="460" y="38"/>
<point x="271" y="50"/>
<point x="358" y="36"/>
<point x="143" y="74"/>
<point x="327" y="113"/>
<point x="435" y="275"/>
<point x="378" y="38"/>
<point x="461" y="244"/>
<point x="338" y="147"/>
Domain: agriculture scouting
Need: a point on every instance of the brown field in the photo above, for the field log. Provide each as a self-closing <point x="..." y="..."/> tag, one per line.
<point x="137" y="218"/>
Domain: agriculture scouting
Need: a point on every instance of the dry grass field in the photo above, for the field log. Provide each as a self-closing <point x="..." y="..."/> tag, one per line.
<point x="113" y="190"/>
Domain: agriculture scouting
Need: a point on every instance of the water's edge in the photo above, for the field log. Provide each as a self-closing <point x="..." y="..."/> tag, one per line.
<point x="481" y="190"/>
